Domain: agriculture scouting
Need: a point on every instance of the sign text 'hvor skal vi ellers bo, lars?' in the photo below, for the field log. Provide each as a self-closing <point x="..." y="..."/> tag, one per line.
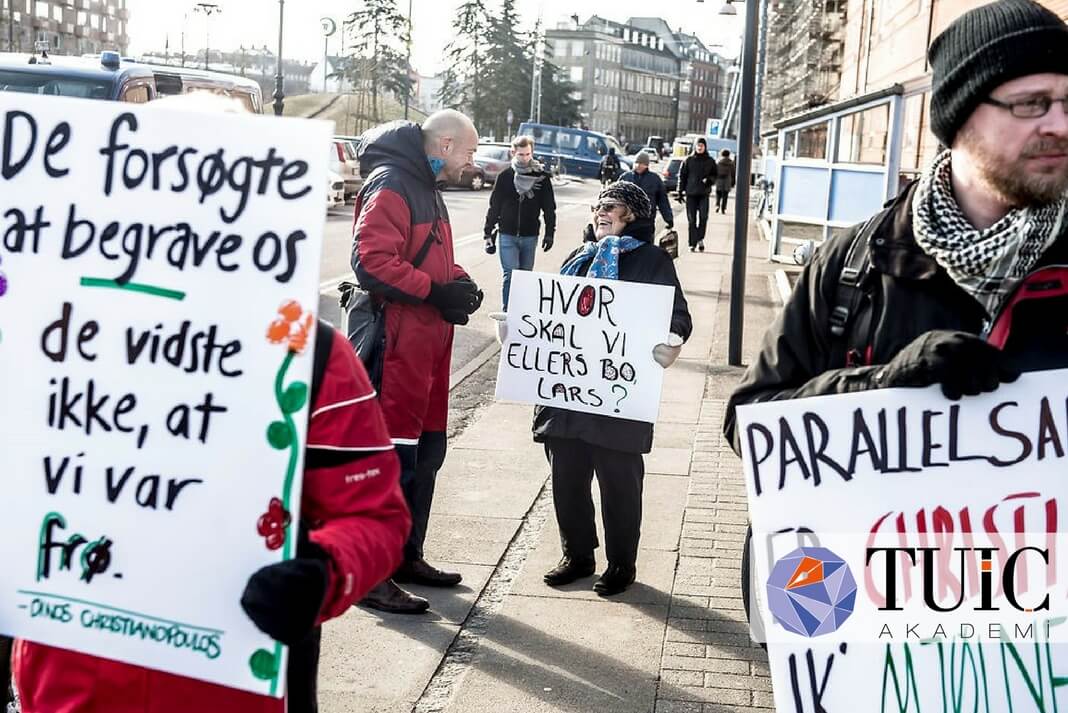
<point x="157" y="311"/>
<point x="584" y="344"/>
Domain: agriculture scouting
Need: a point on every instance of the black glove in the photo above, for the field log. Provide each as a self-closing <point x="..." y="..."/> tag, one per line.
<point x="962" y="363"/>
<point x="478" y="294"/>
<point x="547" y="242"/>
<point x="589" y="235"/>
<point x="283" y="599"/>
<point x="458" y="295"/>
<point x="491" y="242"/>
<point x="455" y="316"/>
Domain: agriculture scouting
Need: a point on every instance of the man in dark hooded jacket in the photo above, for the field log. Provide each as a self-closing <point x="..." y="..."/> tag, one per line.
<point x="401" y="219"/>
<point x="696" y="176"/>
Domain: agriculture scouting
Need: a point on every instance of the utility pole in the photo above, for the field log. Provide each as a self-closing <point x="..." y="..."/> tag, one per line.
<point x="535" y="77"/>
<point x="10" y="27"/>
<point x="279" y="80"/>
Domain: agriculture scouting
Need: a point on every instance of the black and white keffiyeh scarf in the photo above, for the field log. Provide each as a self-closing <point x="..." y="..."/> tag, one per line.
<point x="527" y="177"/>
<point x="987" y="264"/>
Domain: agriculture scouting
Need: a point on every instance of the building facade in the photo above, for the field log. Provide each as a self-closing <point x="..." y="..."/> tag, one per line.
<point x="626" y="76"/>
<point x="71" y="27"/>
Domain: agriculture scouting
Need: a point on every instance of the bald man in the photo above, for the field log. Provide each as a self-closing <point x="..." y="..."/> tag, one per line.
<point x="403" y="255"/>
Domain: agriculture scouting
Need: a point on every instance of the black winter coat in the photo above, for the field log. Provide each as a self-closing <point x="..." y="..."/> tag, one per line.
<point x="697" y="175"/>
<point x="908" y="293"/>
<point x="651" y="265"/>
<point x="654" y="188"/>
<point x="517" y="216"/>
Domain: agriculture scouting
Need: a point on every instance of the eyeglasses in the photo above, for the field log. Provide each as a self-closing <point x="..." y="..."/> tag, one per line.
<point x="1032" y="108"/>
<point x="605" y="206"/>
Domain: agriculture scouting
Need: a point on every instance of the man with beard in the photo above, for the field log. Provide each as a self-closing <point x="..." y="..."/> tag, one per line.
<point x="909" y="297"/>
<point x="522" y="194"/>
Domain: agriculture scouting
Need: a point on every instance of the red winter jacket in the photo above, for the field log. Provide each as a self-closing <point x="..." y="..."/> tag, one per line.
<point x="396" y="210"/>
<point x="353" y="504"/>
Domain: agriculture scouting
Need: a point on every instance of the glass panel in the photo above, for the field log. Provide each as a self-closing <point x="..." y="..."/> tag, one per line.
<point x="862" y="136"/>
<point x="569" y="141"/>
<point x="812" y="142"/>
<point x="29" y="83"/>
<point x="912" y="126"/>
<point x="802" y="231"/>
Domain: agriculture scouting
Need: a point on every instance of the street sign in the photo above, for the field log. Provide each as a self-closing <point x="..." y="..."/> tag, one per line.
<point x="328" y="25"/>
<point x="713" y="126"/>
<point x="511" y="117"/>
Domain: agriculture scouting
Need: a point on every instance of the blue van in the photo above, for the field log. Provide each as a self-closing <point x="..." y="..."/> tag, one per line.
<point x="107" y="77"/>
<point x="579" y="151"/>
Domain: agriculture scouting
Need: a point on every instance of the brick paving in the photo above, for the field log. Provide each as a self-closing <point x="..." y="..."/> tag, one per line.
<point x="709" y="664"/>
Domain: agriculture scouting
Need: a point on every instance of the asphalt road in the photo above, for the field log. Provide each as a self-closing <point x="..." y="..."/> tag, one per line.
<point x="467" y="213"/>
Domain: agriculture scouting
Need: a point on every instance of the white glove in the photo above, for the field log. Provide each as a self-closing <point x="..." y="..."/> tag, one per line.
<point x="501" y="318"/>
<point x="666" y="354"/>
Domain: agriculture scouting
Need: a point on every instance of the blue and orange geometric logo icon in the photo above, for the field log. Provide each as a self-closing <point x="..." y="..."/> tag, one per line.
<point x="811" y="591"/>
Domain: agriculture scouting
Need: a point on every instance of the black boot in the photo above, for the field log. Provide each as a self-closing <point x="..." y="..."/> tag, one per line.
<point x="616" y="578"/>
<point x="388" y="597"/>
<point x="570" y="569"/>
<point x="419" y="572"/>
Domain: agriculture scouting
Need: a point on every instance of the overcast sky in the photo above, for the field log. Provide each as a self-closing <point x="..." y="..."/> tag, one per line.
<point x="255" y="23"/>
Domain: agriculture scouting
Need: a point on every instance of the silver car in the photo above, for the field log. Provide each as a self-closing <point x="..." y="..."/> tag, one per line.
<point x="493" y="158"/>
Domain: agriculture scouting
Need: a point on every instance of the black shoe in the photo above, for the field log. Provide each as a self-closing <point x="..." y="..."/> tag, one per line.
<point x="692" y="248"/>
<point x="701" y="246"/>
<point x="570" y="569"/>
<point x="615" y="579"/>
<point x="419" y="572"/>
<point x="388" y="597"/>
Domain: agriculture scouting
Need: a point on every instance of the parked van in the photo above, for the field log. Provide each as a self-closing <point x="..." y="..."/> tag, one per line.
<point x="578" y="151"/>
<point x="181" y="80"/>
<point x="683" y="145"/>
<point x="105" y="76"/>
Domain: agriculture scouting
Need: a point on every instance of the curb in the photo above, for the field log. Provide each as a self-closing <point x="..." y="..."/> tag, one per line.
<point x="474" y="365"/>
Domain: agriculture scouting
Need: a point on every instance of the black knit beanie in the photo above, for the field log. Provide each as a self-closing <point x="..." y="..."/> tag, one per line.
<point x="631" y="196"/>
<point x="983" y="49"/>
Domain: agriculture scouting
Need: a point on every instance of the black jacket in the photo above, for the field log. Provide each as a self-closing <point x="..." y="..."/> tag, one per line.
<point x="513" y="215"/>
<point x="908" y="294"/>
<point x="651" y="265"/>
<point x="654" y="188"/>
<point x="724" y="174"/>
<point x="697" y="175"/>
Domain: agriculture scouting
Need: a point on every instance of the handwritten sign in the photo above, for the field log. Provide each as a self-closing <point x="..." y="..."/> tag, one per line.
<point x="584" y="344"/>
<point x="906" y="552"/>
<point x="157" y="312"/>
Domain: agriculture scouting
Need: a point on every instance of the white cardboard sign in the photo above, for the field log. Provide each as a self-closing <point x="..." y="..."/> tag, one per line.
<point x="906" y="468"/>
<point x="157" y="311"/>
<point x="585" y="344"/>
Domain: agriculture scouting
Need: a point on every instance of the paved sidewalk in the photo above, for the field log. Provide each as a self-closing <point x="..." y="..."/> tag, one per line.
<point x="676" y="641"/>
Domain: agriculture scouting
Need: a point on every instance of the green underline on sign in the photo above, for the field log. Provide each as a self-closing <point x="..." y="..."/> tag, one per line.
<point x="98" y="605"/>
<point x="133" y="287"/>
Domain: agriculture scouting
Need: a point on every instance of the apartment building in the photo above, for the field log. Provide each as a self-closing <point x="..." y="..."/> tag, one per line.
<point x="70" y="27"/>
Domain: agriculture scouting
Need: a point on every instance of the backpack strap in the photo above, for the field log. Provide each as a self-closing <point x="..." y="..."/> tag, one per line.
<point x="324" y="341"/>
<point x="849" y="319"/>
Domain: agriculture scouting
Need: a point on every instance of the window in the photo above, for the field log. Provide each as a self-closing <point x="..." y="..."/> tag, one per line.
<point x="810" y="142"/>
<point x="862" y="136"/>
<point x="578" y="47"/>
<point x="57" y="13"/>
<point x="41" y="9"/>
<point x="560" y="49"/>
<point x="576" y="74"/>
<point x="136" y="94"/>
<point x="541" y="136"/>
<point x="569" y="140"/>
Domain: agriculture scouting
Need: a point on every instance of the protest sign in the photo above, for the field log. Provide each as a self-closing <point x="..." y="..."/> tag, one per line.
<point x="905" y="551"/>
<point x="585" y="344"/>
<point x="157" y="314"/>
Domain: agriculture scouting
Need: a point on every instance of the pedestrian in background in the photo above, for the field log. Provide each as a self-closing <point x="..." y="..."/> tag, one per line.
<point x="522" y="194"/>
<point x="609" y="167"/>
<point x="653" y="186"/>
<point x="401" y="219"/>
<point x="696" y="176"/>
<point x="579" y="445"/>
<point x="724" y="180"/>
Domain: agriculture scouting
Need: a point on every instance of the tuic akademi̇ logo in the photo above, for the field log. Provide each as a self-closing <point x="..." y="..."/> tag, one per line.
<point x="811" y="591"/>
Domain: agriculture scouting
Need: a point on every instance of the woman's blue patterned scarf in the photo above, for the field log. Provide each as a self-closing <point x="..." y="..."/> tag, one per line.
<point x="605" y="255"/>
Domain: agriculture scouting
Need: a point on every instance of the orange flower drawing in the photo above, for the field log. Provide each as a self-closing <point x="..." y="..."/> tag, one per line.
<point x="290" y="328"/>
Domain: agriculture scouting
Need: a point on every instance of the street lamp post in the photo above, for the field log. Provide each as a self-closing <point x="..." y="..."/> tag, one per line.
<point x="279" y="80"/>
<point x="745" y="156"/>
<point x="207" y="9"/>
<point x="10" y="26"/>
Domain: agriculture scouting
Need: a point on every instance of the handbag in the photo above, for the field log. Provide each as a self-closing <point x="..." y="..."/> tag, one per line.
<point x="669" y="242"/>
<point x="365" y="317"/>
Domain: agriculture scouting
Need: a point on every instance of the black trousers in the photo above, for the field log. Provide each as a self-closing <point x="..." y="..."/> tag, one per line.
<point x="619" y="476"/>
<point x="721" y="199"/>
<point x="419" y="471"/>
<point x="302" y="674"/>
<point x="697" y="216"/>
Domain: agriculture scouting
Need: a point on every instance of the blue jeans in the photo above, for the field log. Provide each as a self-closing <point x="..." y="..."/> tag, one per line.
<point x="517" y="253"/>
